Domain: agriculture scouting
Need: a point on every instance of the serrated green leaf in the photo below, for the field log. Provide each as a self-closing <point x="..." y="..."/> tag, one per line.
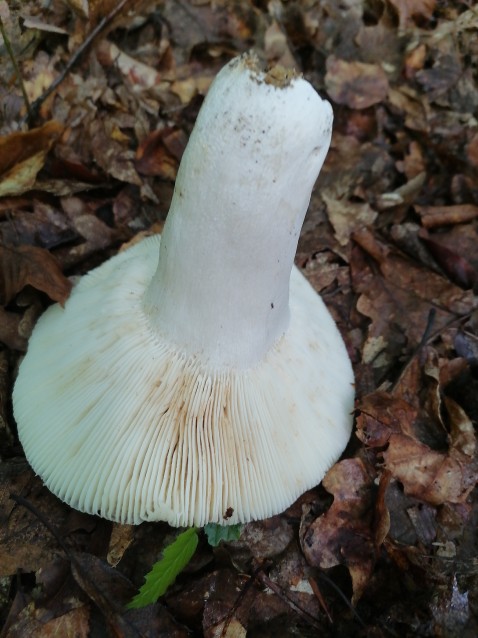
<point x="163" y="574"/>
<point x="217" y="533"/>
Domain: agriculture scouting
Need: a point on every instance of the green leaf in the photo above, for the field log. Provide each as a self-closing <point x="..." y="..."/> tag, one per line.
<point x="175" y="558"/>
<point x="217" y="533"/>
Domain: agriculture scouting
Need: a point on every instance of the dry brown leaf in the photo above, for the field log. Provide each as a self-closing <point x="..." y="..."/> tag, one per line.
<point x="22" y="155"/>
<point x="121" y="538"/>
<point x="452" y="263"/>
<point x="25" y="543"/>
<point x="408" y="9"/>
<point x="343" y="535"/>
<point x="431" y="476"/>
<point x="30" y="265"/>
<point x="37" y="622"/>
<point x="81" y="7"/>
<point x="398" y="296"/>
<point x="413" y="163"/>
<point x="265" y="539"/>
<point x="160" y="152"/>
<point x="348" y="217"/>
<point x="381" y="415"/>
<point x="355" y="84"/>
<point x="139" y="75"/>
<point x="114" y="157"/>
<point x="462" y="435"/>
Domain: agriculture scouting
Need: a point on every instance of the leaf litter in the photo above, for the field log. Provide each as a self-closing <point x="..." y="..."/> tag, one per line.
<point x="387" y="545"/>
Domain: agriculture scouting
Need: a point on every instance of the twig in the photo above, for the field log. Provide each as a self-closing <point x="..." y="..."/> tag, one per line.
<point x="309" y="619"/>
<point x="106" y="602"/>
<point x="347" y="602"/>
<point x="321" y="599"/>
<point x="33" y="510"/>
<point x="428" y="336"/>
<point x="12" y="57"/>
<point x="237" y="604"/>
<point x="75" y="58"/>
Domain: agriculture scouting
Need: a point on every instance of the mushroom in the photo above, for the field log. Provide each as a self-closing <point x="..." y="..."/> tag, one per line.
<point x="197" y="377"/>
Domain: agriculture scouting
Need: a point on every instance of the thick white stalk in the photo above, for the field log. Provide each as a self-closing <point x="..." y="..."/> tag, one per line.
<point x="221" y="290"/>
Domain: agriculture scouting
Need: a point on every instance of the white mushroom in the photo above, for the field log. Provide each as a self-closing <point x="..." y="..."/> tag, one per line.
<point x="198" y="377"/>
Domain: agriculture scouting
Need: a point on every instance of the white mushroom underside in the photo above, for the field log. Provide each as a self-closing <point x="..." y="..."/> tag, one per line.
<point x="135" y="431"/>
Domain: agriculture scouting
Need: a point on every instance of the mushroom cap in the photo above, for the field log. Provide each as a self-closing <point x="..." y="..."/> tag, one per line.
<point x="119" y="423"/>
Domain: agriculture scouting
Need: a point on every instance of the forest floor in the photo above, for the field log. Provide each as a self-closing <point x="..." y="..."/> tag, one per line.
<point x="387" y="545"/>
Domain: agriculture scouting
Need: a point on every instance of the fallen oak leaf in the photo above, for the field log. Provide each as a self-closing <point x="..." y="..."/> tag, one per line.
<point x="22" y="156"/>
<point x="34" y="266"/>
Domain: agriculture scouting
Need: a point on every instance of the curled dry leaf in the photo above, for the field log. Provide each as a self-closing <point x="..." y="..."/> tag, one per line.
<point x="30" y="265"/>
<point x="121" y="538"/>
<point x="355" y="84"/>
<point x="434" y="477"/>
<point x="22" y="155"/>
<point x="344" y="535"/>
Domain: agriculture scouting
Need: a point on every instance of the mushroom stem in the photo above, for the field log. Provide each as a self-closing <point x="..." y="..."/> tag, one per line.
<point x="211" y="385"/>
<point x="241" y="195"/>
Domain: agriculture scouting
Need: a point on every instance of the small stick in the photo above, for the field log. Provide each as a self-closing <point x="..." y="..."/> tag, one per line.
<point x="20" y="500"/>
<point x="347" y="602"/>
<point x="311" y="620"/>
<point x="320" y="598"/>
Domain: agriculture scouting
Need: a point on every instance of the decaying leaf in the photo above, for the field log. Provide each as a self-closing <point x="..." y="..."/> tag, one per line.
<point x="29" y="265"/>
<point x="408" y="9"/>
<point x="121" y="538"/>
<point x="380" y="415"/>
<point x="401" y="288"/>
<point x="348" y="217"/>
<point x="344" y="535"/>
<point x="37" y="622"/>
<point x="160" y="152"/>
<point x="25" y="544"/>
<point x="22" y="156"/>
<point x="431" y="476"/>
<point x="355" y="84"/>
